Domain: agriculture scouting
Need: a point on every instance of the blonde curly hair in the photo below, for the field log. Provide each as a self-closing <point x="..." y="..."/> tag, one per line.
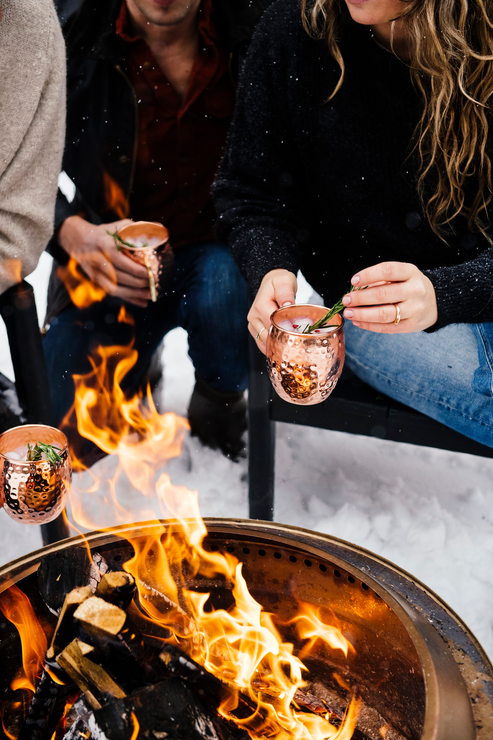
<point x="451" y="66"/>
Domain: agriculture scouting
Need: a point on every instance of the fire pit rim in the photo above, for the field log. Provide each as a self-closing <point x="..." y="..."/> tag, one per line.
<point x="301" y="539"/>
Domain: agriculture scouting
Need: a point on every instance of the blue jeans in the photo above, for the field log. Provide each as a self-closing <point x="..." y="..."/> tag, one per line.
<point x="446" y="374"/>
<point x="206" y="296"/>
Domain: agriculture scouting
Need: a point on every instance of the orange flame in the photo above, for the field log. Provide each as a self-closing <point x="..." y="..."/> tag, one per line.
<point x="82" y="291"/>
<point x="114" y="196"/>
<point x="136" y="725"/>
<point x="12" y="270"/>
<point x="16" y="607"/>
<point x="241" y="645"/>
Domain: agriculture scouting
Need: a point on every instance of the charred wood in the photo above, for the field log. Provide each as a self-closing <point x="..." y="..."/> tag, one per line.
<point x="168" y="707"/>
<point x="118" y="588"/>
<point x="46" y="708"/>
<point x="60" y="572"/>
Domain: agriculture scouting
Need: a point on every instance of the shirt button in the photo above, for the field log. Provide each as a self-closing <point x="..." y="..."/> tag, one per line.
<point x="147" y="65"/>
<point x="468" y="241"/>
<point x="184" y="206"/>
<point x="413" y="221"/>
<point x="124" y="159"/>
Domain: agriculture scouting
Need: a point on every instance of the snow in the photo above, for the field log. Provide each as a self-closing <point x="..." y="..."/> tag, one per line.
<point x="429" y="511"/>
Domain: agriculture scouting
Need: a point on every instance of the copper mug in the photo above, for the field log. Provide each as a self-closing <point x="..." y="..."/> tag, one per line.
<point x="157" y="259"/>
<point x="304" y="368"/>
<point x="34" y="492"/>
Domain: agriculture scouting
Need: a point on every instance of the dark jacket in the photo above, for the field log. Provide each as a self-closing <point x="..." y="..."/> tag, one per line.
<point x="101" y="138"/>
<point x="329" y="187"/>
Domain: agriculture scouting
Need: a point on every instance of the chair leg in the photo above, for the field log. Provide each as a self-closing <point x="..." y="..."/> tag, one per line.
<point x="18" y="309"/>
<point x="262" y="437"/>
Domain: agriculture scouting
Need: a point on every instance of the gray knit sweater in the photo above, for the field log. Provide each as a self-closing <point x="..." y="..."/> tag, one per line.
<point x="32" y="126"/>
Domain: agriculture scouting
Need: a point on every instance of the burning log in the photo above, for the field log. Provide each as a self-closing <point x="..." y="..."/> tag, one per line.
<point x="62" y="571"/>
<point x="47" y="707"/>
<point x="92" y="679"/>
<point x="118" y="588"/>
<point x="64" y="629"/>
<point x="167" y="709"/>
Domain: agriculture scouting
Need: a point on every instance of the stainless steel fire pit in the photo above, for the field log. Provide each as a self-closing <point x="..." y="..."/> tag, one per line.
<point x="420" y="672"/>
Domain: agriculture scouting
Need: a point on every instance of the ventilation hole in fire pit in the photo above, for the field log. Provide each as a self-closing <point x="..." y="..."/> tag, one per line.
<point x="117" y="558"/>
<point x="246" y="550"/>
<point x="277" y="555"/>
<point x="337" y="574"/>
<point x="363" y="585"/>
<point x="214" y="548"/>
<point x="308" y="563"/>
<point x="322" y="567"/>
<point x="262" y="553"/>
<point x="351" y="579"/>
<point x="230" y="549"/>
<point x="293" y="559"/>
<point x="377" y="595"/>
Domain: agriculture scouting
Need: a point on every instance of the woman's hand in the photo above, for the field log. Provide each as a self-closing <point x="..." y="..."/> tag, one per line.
<point x="399" y="299"/>
<point x="96" y="252"/>
<point x="278" y="288"/>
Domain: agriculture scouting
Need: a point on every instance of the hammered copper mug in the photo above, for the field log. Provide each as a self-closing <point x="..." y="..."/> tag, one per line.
<point x="157" y="259"/>
<point x="33" y="492"/>
<point x="304" y="368"/>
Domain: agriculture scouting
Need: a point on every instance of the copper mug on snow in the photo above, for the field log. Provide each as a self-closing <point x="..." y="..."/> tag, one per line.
<point x="304" y="368"/>
<point x="33" y="492"/>
<point x="157" y="256"/>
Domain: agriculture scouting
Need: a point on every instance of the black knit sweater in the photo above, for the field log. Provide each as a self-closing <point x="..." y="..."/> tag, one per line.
<point x="329" y="187"/>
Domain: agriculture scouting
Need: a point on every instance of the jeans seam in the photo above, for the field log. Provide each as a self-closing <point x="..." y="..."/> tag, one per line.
<point x="486" y="354"/>
<point x="391" y="379"/>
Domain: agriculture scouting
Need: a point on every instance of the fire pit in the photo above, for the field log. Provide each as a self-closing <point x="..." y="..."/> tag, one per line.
<point x="419" y="671"/>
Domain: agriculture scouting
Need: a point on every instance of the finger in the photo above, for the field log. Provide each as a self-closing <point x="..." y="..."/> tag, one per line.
<point x="384" y="271"/>
<point x="140" y="281"/>
<point x="122" y="261"/>
<point x="386" y="314"/>
<point x="259" y="334"/>
<point x="380" y="295"/>
<point x="285" y="291"/>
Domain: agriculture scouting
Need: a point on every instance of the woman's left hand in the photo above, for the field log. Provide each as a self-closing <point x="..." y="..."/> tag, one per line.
<point x="399" y="299"/>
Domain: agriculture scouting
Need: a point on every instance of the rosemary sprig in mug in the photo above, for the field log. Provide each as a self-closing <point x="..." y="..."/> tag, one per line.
<point x="35" y="453"/>
<point x="336" y="308"/>
<point x="119" y="241"/>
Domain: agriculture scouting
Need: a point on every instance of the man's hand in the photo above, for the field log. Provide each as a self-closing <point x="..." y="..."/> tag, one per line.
<point x="278" y="288"/>
<point x="96" y="252"/>
<point x="399" y="299"/>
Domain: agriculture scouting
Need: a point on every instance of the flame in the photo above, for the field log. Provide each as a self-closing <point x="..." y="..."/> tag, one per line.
<point x="136" y="725"/>
<point x="114" y="197"/>
<point x="82" y="291"/>
<point x="12" y="271"/>
<point x="242" y="645"/>
<point x="16" y="607"/>
<point x="312" y="628"/>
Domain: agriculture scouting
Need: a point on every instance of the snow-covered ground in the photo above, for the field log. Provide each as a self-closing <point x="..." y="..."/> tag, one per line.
<point x="429" y="511"/>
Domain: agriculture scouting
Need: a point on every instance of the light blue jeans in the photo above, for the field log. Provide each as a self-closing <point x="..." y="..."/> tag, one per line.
<point x="447" y="374"/>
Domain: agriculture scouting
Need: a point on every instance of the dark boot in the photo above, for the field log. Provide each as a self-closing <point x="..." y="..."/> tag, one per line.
<point x="218" y="419"/>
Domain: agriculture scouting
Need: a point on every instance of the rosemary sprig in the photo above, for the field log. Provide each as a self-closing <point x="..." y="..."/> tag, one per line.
<point x="35" y="452"/>
<point x="322" y="323"/>
<point x="119" y="241"/>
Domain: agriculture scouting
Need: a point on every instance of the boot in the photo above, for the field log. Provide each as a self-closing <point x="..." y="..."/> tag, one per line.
<point x="218" y="419"/>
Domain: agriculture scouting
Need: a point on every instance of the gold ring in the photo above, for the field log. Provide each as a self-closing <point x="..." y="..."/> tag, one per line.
<point x="260" y="333"/>
<point x="397" y="313"/>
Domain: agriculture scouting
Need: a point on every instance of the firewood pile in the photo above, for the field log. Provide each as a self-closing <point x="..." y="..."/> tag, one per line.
<point x="111" y="674"/>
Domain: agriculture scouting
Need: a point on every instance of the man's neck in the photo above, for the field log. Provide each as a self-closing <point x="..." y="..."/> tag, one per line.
<point x="174" y="46"/>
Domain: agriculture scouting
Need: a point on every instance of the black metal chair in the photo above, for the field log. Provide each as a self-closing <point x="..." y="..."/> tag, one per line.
<point x="18" y="310"/>
<point x="353" y="407"/>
